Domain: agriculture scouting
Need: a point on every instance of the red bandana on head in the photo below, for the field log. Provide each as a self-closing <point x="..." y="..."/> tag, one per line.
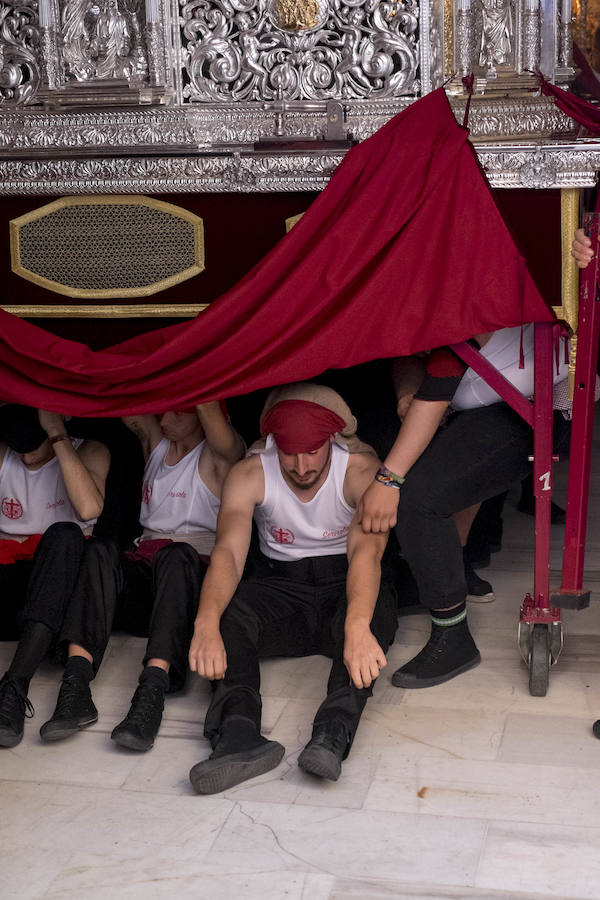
<point x="300" y="426"/>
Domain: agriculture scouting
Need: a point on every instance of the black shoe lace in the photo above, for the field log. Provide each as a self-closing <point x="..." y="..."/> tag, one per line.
<point x="70" y="693"/>
<point x="146" y="704"/>
<point x="13" y="700"/>
<point x="333" y="738"/>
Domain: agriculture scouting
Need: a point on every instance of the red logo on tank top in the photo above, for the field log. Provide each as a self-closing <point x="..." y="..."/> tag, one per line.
<point x="283" y="535"/>
<point x="146" y="492"/>
<point x="11" y="508"/>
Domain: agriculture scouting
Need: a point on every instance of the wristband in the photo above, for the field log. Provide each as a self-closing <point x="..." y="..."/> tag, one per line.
<point x="388" y="478"/>
<point x="58" y="437"/>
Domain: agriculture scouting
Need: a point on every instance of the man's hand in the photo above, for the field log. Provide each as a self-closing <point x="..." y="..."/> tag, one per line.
<point x="378" y="508"/>
<point x="581" y="249"/>
<point x="363" y="657"/>
<point x="207" y="654"/>
<point x="52" y="423"/>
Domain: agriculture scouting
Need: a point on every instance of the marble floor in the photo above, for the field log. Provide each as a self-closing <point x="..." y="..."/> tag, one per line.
<point x="473" y="789"/>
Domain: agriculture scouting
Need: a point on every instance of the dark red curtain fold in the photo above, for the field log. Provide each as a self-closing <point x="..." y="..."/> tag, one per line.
<point x="576" y="108"/>
<point x="404" y="250"/>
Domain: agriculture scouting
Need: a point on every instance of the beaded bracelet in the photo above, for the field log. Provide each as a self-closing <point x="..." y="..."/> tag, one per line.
<point x="388" y="478"/>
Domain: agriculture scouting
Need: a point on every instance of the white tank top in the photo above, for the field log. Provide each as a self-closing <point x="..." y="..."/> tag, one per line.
<point x="290" y="529"/>
<point x="503" y="351"/>
<point x="31" y="500"/>
<point x="175" y="500"/>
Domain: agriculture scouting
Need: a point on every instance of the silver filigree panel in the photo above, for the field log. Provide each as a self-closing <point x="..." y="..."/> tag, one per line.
<point x="300" y="49"/>
<point x="19" y="52"/>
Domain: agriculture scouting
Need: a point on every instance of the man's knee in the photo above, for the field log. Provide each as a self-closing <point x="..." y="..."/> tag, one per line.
<point x="62" y="534"/>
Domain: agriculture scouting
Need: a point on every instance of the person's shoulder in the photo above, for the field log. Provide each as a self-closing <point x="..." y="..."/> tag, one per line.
<point x="93" y="449"/>
<point x="245" y="482"/>
<point x="362" y="462"/>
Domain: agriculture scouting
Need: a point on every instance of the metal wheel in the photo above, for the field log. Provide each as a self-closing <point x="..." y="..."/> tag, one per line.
<point x="539" y="661"/>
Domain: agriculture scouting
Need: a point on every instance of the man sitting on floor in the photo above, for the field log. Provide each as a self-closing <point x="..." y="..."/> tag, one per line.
<point x="51" y="491"/>
<point x="316" y="588"/>
<point x="153" y="591"/>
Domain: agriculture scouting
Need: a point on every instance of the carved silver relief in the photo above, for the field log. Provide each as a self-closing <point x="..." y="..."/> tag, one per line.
<point x="102" y="39"/>
<point x="19" y="52"/>
<point x="497" y="34"/>
<point x="299" y="49"/>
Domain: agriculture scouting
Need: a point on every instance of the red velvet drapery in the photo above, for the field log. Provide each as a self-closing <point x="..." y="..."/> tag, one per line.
<point x="404" y="250"/>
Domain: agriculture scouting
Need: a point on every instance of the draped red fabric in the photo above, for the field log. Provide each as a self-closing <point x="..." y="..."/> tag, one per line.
<point x="404" y="250"/>
<point x="574" y="107"/>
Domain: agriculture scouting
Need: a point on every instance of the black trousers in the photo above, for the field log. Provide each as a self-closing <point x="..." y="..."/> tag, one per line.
<point x="41" y="589"/>
<point x="158" y="601"/>
<point x="477" y="455"/>
<point x="293" y="609"/>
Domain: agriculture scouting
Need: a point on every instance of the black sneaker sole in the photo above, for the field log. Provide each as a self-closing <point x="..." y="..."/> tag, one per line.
<point x="481" y="598"/>
<point x="10" y="739"/>
<point x="51" y="731"/>
<point x="321" y="762"/>
<point x="131" y="741"/>
<point x="211" y="776"/>
<point x="409" y="681"/>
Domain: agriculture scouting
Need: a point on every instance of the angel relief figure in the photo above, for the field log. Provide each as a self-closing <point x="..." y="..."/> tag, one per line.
<point x="496" y="33"/>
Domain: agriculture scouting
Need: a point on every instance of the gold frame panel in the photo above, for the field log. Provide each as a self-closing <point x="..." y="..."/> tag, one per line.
<point x="120" y="311"/>
<point x="570" y="213"/>
<point x="112" y="310"/>
<point x="289" y="223"/>
<point x="570" y="201"/>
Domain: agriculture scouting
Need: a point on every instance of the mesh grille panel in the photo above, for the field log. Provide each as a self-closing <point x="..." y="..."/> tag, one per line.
<point x="108" y="248"/>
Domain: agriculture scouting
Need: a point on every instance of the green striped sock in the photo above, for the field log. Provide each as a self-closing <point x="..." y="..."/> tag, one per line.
<point x="451" y="620"/>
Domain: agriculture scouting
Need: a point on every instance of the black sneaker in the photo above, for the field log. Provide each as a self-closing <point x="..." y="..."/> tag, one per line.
<point x="140" y="726"/>
<point x="14" y="707"/>
<point x="450" y="651"/>
<point x="220" y="772"/>
<point x="324" y="753"/>
<point x="478" y="590"/>
<point x="74" y="710"/>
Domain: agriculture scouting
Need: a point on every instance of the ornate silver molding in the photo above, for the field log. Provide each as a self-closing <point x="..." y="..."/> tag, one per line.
<point x="541" y="165"/>
<point x="192" y="129"/>
<point x="535" y="165"/>
<point x="233" y="172"/>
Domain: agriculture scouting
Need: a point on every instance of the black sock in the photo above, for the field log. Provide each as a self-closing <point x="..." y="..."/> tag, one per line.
<point x="80" y="666"/>
<point x="157" y="675"/>
<point x="34" y="644"/>
<point x="446" y="618"/>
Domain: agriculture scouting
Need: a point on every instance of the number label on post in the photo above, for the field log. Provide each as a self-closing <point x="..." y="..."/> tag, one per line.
<point x="545" y="479"/>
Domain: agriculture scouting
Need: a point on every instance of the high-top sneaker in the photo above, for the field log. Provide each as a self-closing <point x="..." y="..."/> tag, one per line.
<point x="449" y="651"/>
<point x="14" y="707"/>
<point x="140" y="726"/>
<point x="478" y="590"/>
<point x="240" y="753"/>
<point x="74" y="711"/>
<point x="325" y="752"/>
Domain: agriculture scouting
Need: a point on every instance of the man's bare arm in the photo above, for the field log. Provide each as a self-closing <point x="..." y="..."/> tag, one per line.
<point x="224" y="444"/>
<point x="363" y="656"/>
<point x="84" y="471"/>
<point x="377" y="511"/>
<point x="243" y="489"/>
<point x="147" y="429"/>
